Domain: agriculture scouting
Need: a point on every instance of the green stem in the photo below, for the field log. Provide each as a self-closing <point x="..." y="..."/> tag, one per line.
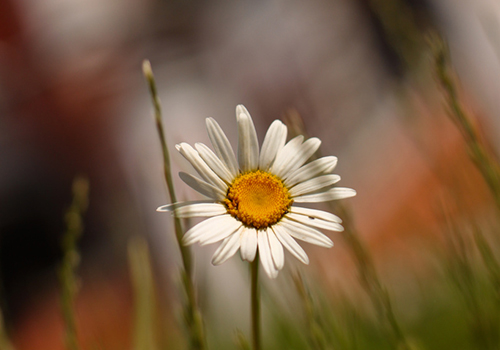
<point x="185" y="252"/>
<point x="194" y="319"/>
<point x="255" y="297"/>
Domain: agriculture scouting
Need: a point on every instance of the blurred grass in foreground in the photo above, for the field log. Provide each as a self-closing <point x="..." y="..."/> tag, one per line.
<point x="477" y="285"/>
<point x="5" y="343"/>
<point x="71" y="259"/>
<point x="365" y="268"/>
<point x="145" y="305"/>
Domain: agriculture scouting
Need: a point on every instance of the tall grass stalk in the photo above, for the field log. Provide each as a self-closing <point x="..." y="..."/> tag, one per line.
<point x="479" y="152"/>
<point x="485" y="326"/>
<point x="71" y="259"/>
<point x="192" y="314"/>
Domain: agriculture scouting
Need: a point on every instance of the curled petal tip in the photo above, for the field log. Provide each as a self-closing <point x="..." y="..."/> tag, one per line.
<point x="165" y="208"/>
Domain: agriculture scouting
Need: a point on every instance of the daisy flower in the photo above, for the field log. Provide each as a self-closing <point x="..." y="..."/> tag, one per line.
<point x="253" y="201"/>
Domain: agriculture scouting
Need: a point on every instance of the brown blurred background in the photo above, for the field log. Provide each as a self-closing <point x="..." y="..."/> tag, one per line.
<point x="73" y="101"/>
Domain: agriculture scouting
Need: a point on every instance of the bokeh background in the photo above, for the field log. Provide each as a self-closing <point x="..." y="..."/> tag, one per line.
<point x="358" y="74"/>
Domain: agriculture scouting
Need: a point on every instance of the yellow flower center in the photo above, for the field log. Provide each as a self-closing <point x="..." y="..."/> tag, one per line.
<point x="258" y="199"/>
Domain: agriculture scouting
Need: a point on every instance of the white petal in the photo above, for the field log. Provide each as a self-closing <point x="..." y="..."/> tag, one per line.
<point x="306" y="150"/>
<point x="315" y="213"/>
<point x="211" y="230"/>
<point x="285" y="154"/>
<point x="276" y="250"/>
<point x="317" y="167"/>
<point x="306" y="233"/>
<point x="201" y="166"/>
<point x="202" y="187"/>
<point x="330" y="195"/>
<point x="265" y="255"/>
<point x="171" y="207"/>
<point x="290" y="244"/>
<point x="248" y="245"/>
<point x="228" y="248"/>
<point x="228" y="227"/>
<point x="273" y="141"/>
<point x="222" y="146"/>
<point x="248" y="144"/>
<point x="200" y="210"/>
<point x="314" y="184"/>
<point x="214" y="162"/>
<point x="315" y="222"/>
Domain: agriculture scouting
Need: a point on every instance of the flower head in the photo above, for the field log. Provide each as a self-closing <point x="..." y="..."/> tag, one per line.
<point x="252" y="201"/>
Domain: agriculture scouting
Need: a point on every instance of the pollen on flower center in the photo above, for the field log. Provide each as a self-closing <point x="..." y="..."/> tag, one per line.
<point x="258" y="199"/>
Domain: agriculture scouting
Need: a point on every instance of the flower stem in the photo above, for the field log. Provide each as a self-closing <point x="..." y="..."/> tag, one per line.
<point x="255" y="297"/>
<point x="193" y="316"/>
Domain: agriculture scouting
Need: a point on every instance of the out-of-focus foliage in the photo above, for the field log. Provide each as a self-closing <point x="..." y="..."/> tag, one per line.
<point x="71" y="259"/>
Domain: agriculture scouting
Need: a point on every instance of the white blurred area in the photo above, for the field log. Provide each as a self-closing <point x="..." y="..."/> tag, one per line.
<point x="78" y="64"/>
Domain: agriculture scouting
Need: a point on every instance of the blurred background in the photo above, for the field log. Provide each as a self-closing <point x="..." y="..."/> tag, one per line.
<point x="358" y="74"/>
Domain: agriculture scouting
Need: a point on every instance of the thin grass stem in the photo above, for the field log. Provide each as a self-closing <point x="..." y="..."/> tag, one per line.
<point x="479" y="152"/>
<point x="193" y="316"/>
